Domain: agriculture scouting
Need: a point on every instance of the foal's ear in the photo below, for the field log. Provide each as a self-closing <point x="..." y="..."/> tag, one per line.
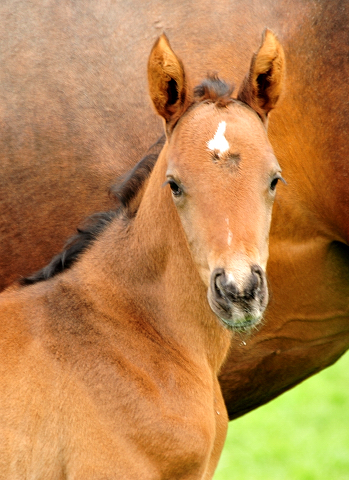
<point x="263" y="84"/>
<point x="167" y="82"/>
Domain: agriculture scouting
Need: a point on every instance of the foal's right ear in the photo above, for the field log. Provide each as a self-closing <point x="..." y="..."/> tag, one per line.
<point x="167" y="82"/>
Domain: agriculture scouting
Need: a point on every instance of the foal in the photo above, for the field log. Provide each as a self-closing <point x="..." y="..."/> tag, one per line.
<point x="109" y="370"/>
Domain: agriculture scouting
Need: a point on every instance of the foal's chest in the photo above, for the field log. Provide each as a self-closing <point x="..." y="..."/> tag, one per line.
<point x="136" y="416"/>
<point x="165" y="419"/>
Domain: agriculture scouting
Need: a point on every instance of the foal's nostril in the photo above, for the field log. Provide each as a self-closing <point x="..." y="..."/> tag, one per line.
<point x="256" y="281"/>
<point x="257" y="270"/>
<point x="223" y="288"/>
<point x="216" y="281"/>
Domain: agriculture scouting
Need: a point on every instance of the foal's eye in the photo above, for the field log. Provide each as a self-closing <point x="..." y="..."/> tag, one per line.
<point x="274" y="182"/>
<point x="176" y="190"/>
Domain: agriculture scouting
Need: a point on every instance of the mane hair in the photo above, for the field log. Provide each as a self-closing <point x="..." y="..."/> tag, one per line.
<point x="127" y="192"/>
<point x="74" y="247"/>
<point x="129" y="185"/>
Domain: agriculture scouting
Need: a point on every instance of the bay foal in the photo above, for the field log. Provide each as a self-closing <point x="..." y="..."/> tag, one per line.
<point x="109" y="370"/>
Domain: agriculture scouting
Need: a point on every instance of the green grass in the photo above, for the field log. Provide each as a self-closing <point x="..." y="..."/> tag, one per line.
<point x="301" y="435"/>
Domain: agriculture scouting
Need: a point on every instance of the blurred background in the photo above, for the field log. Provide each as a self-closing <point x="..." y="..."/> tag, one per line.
<point x="301" y="435"/>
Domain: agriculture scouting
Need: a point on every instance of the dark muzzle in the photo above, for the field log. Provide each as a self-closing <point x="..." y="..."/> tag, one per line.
<point x="239" y="308"/>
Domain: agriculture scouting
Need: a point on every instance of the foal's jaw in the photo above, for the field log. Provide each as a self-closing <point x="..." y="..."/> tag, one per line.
<point x="239" y="305"/>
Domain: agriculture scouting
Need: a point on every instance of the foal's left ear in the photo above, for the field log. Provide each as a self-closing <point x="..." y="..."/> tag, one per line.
<point x="263" y="84"/>
<point x="167" y="82"/>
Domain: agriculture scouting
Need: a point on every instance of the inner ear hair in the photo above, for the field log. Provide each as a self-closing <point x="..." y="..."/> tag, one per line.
<point x="167" y="82"/>
<point x="263" y="84"/>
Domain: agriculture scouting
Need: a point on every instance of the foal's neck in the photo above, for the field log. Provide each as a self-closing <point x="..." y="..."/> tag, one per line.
<point x="148" y="265"/>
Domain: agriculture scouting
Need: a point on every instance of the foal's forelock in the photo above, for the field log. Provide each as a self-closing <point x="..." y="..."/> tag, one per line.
<point x="215" y="90"/>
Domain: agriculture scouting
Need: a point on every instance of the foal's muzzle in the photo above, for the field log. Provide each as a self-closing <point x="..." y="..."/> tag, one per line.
<point x="238" y="308"/>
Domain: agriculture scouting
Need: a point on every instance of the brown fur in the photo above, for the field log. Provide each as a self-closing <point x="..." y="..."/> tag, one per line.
<point x="110" y="369"/>
<point x="75" y="114"/>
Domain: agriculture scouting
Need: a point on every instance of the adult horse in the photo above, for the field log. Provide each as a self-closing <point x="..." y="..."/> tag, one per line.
<point x="75" y="114"/>
<point x="109" y="370"/>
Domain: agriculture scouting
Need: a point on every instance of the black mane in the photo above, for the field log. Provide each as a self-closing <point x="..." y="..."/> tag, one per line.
<point x="126" y="191"/>
<point x="130" y="184"/>
<point x="73" y="248"/>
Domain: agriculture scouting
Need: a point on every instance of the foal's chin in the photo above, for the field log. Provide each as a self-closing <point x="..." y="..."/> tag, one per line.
<point x="237" y="318"/>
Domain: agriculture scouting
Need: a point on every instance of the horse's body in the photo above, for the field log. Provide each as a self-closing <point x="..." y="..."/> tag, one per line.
<point x="75" y="114"/>
<point x="110" y="370"/>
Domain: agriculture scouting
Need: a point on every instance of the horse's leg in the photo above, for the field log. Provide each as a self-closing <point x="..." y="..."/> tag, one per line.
<point x="221" y="415"/>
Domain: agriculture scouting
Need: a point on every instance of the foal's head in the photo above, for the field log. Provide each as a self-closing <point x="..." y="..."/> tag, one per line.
<point x="222" y="174"/>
